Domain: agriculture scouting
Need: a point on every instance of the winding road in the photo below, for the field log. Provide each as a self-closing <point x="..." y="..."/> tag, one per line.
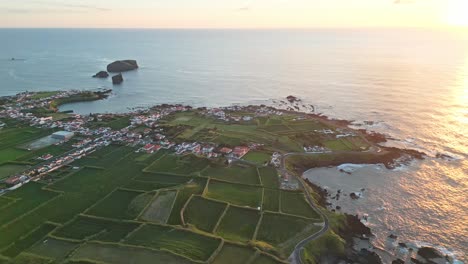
<point x="295" y="257"/>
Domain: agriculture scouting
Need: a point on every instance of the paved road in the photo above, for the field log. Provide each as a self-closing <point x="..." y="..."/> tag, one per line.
<point x="296" y="255"/>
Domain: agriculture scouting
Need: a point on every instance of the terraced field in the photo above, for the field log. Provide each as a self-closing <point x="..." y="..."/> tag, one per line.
<point x="234" y="254"/>
<point x="105" y="230"/>
<point x="203" y="213"/>
<point x="186" y="243"/>
<point x="236" y="174"/>
<point x="116" y="205"/>
<point x="238" y="194"/>
<point x="157" y="208"/>
<point x="295" y="203"/>
<point x="160" y="208"/>
<point x="238" y="224"/>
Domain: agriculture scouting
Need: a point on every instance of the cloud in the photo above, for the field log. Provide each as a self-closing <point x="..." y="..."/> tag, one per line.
<point x="399" y="2"/>
<point x="54" y="7"/>
<point x="246" y="7"/>
<point x="84" y="7"/>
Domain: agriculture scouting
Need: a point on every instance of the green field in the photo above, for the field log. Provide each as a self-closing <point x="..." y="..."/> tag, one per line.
<point x="271" y="200"/>
<point x="11" y="154"/>
<point x="277" y="128"/>
<point x="238" y="224"/>
<point x="84" y="227"/>
<point x="53" y="248"/>
<point x="119" y="123"/>
<point x="162" y="178"/>
<point x="185" y="243"/>
<point x="117" y="205"/>
<point x="274" y="121"/>
<point x="203" y="213"/>
<point x="234" y="254"/>
<point x="264" y="259"/>
<point x="258" y="157"/>
<point x="118" y="254"/>
<point x="114" y="123"/>
<point x="28" y="258"/>
<point x="269" y="177"/>
<point x="296" y="204"/>
<point x="178" y="165"/>
<point x="159" y="209"/>
<point x="139" y="203"/>
<point x="8" y="169"/>
<point x="238" y="194"/>
<point x="277" y="228"/>
<point x="27" y="198"/>
<point x="81" y="189"/>
<point x="306" y="126"/>
<point x="234" y="173"/>
<point x="147" y="186"/>
<point x="164" y="164"/>
<point x="106" y="157"/>
<point x="194" y="187"/>
<point x="11" y="138"/>
<point x="82" y="179"/>
<point x="329" y="243"/>
<point x="4" y="201"/>
<point x="337" y="144"/>
<point x="197" y="127"/>
<point x="26" y="242"/>
<point x="41" y="95"/>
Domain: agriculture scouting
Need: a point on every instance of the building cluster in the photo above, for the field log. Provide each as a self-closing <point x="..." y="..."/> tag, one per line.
<point x="276" y="159"/>
<point x="224" y="113"/>
<point x="344" y="133"/>
<point x="316" y="149"/>
<point x="143" y="131"/>
<point x="51" y="164"/>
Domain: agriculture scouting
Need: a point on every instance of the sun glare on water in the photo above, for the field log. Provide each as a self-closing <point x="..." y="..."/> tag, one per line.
<point x="457" y="13"/>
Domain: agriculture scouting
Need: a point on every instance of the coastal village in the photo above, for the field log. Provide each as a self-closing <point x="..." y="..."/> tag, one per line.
<point x="233" y="148"/>
<point x="149" y="138"/>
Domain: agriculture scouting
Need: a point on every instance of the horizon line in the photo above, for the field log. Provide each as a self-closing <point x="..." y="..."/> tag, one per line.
<point x="244" y="28"/>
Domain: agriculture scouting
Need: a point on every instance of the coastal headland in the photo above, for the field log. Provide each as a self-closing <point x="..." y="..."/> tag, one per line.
<point x="174" y="183"/>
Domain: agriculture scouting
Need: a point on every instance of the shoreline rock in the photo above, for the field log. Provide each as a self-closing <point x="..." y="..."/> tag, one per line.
<point x="117" y="79"/>
<point x="293" y="99"/>
<point x="122" y="66"/>
<point x="101" y="74"/>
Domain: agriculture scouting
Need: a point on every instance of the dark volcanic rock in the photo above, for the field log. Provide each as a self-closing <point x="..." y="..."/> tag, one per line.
<point x="123" y="65"/>
<point x="292" y="99"/>
<point x="354" y="196"/>
<point x="101" y="74"/>
<point x="429" y="253"/>
<point x="117" y="79"/>
<point x="368" y="257"/>
<point x="356" y="227"/>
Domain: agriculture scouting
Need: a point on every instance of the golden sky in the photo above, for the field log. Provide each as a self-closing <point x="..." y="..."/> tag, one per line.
<point x="233" y="13"/>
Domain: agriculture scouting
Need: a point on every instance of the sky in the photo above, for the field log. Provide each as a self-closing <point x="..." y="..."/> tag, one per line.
<point x="232" y="13"/>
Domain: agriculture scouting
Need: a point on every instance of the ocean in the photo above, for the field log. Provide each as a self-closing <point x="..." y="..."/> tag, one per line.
<point x="412" y="84"/>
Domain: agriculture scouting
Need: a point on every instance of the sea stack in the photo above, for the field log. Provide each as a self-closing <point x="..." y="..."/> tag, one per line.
<point x="122" y="66"/>
<point x="101" y="74"/>
<point x="117" y="79"/>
